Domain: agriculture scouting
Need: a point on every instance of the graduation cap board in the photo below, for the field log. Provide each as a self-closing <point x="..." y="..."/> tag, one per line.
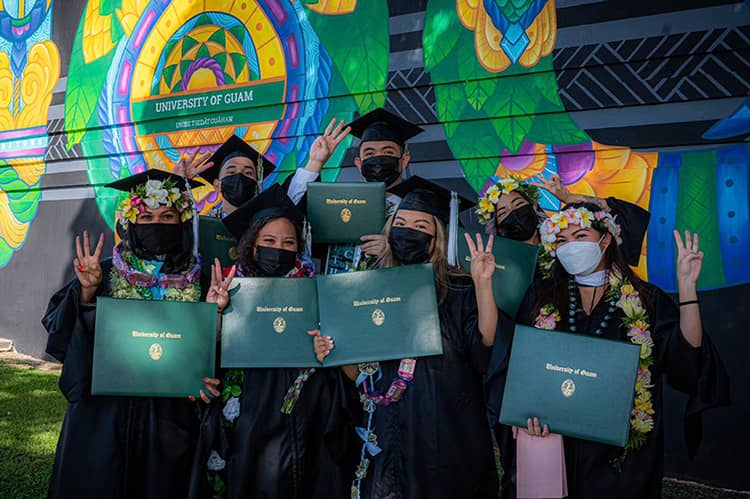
<point x="380" y="125"/>
<point x="273" y="202"/>
<point x="232" y="148"/>
<point x="419" y="194"/>
<point x="129" y="183"/>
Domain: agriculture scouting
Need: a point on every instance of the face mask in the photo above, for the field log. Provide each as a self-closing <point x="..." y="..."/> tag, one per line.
<point x="580" y="258"/>
<point x="158" y="239"/>
<point x="238" y="189"/>
<point x="275" y="262"/>
<point x="520" y="224"/>
<point x="409" y="245"/>
<point x="381" y="169"/>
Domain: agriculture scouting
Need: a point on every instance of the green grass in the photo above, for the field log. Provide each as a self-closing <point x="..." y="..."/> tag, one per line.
<point x="31" y="412"/>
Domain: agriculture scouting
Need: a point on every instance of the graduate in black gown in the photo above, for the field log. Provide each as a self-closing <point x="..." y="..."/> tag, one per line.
<point x="511" y="209"/>
<point x="591" y="290"/>
<point x="126" y="447"/>
<point x="272" y="438"/>
<point x="427" y="416"/>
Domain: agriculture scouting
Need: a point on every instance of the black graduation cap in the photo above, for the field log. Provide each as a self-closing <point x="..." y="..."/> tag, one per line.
<point x="233" y="147"/>
<point x="129" y="183"/>
<point x="383" y="125"/>
<point x="273" y="202"/>
<point x="422" y="195"/>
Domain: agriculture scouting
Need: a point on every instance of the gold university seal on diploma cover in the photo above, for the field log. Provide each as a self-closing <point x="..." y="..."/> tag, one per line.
<point x="279" y="325"/>
<point x="155" y="351"/>
<point x="378" y="317"/>
<point x="568" y="387"/>
<point x="346" y="215"/>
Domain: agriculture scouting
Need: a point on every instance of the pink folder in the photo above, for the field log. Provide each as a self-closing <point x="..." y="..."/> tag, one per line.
<point x="540" y="467"/>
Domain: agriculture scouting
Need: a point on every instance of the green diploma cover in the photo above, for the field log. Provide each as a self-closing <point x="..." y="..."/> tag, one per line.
<point x="582" y="386"/>
<point x="266" y="323"/>
<point x="381" y="314"/>
<point x="342" y="212"/>
<point x="215" y="241"/>
<point x="515" y="265"/>
<point x="372" y="315"/>
<point x="153" y="348"/>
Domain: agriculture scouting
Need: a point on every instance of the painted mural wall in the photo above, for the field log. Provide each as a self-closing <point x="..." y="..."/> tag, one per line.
<point x="646" y="101"/>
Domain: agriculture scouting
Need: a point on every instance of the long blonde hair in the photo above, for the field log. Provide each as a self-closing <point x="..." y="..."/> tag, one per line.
<point x="438" y="257"/>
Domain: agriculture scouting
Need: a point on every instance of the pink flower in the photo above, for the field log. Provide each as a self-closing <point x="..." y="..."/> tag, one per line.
<point x="546" y="322"/>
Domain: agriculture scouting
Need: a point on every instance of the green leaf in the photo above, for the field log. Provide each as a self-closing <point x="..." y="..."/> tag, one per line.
<point x="85" y="82"/>
<point x="556" y="129"/>
<point x="235" y="391"/>
<point x="441" y="31"/>
<point x="358" y="44"/>
<point x="512" y="108"/>
<point x="474" y="144"/>
<point x="479" y="83"/>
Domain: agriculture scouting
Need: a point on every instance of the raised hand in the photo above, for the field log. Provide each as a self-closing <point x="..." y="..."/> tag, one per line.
<point x="482" y="259"/>
<point x="191" y="166"/>
<point x="322" y="345"/>
<point x="212" y="387"/>
<point x="218" y="292"/>
<point x="87" y="266"/>
<point x="373" y="244"/>
<point x="554" y="186"/>
<point x="326" y="144"/>
<point x="689" y="259"/>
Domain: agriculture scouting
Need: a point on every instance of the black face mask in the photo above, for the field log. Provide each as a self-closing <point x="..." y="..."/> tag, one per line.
<point x="409" y="245"/>
<point x="275" y="262"/>
<point x="238" y="189"/>
<point x="381" y="169"/>
<point x="520" y="224"/>
<point x="158" y="239"/>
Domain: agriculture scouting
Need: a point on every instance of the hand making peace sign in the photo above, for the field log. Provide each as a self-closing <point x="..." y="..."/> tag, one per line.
<point x="218" y="292"/>
<point x="87" y="266"/>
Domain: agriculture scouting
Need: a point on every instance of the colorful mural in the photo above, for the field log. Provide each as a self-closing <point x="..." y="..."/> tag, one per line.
<point x="506" y="117"/>
<point x="149" y="81"/>
<point x="29" y="71"/>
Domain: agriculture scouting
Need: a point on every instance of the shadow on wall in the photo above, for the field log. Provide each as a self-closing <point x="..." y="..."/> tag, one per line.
<point x="42" y="267"/>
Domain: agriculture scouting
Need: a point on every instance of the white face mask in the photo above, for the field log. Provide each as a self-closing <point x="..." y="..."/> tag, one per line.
<point x="580" y="258"/>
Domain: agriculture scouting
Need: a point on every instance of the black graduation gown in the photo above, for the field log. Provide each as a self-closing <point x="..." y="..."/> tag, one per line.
<point x="435" y="441"/>
<point x="113" y="447"/>
<point x="275" y="455"/>
<point x="697" y="372"/>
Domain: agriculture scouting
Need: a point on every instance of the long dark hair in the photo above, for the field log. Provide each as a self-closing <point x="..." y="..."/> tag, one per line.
<point x="246" y="246"/>
<point x="555" y="290"/>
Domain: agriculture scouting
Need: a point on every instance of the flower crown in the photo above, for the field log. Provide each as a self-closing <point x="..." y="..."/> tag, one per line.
<point x="600" y="220"/>
<point x="486" y="207"/>
<point x="152" y="194"/>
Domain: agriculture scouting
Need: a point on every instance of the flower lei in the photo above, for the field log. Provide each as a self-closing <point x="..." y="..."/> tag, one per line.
<point x="636" y="321"/>
<point x="152" y="194"/>
<point x="123" y="287"/>
<point x="486" y="206"/>
<point x="233" y="381"/>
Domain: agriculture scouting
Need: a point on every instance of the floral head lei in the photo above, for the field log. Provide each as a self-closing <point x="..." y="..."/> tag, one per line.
<point x="599" y="220"/>
<point x="152" y="194"/>
<point x="486" y="207"/>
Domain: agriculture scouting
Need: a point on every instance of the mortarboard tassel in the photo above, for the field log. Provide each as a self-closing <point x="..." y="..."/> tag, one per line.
<point x="453" y="231"/>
